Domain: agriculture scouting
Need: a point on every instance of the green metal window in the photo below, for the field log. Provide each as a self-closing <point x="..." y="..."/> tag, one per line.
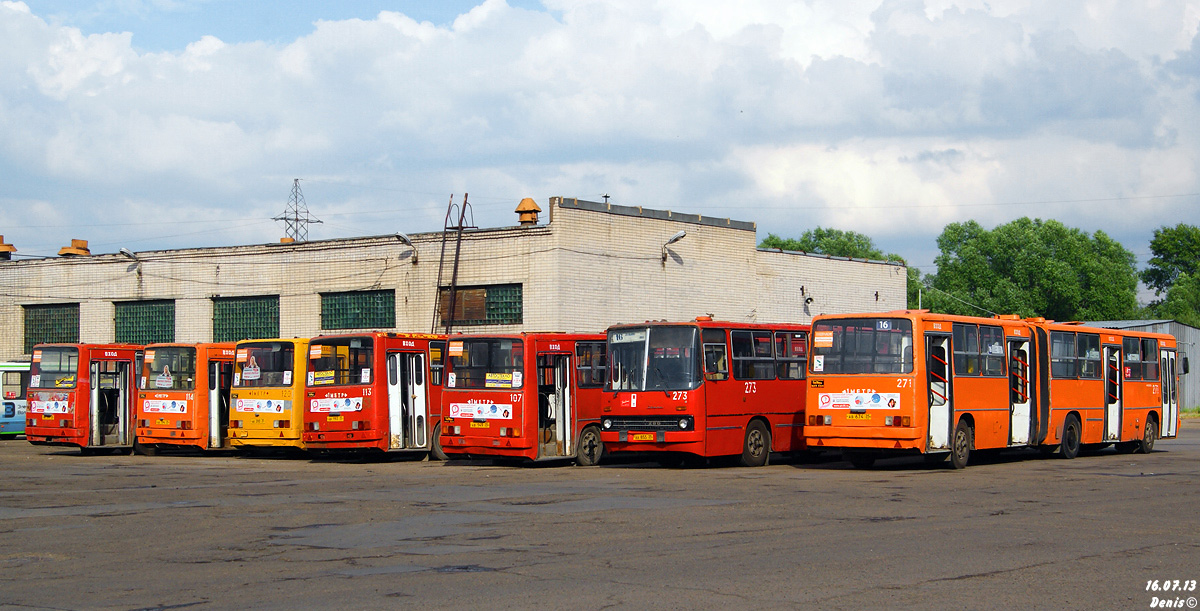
<point x="358" y="310"/>
<point x="239" y="318"/>
<point x="144" y="322"/>
<point x="54" y="323"/>
<point x="497" y="304"/>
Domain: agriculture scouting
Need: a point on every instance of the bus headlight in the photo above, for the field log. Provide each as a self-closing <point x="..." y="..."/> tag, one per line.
<point x="683" y="423"/>
<point x="607" y="423"/>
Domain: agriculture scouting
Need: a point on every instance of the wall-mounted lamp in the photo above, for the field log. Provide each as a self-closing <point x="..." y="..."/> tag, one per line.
<point x="128" y="253"/>
<point x="675" y="238"/>
<point x="808" y="300"/>
<point x="406" y="241"/>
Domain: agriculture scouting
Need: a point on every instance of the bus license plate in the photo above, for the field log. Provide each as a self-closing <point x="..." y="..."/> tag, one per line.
<point x="641" y="437"/>
<point x="858" y="416"/>
<point x="161" y="421"/>
<point x="335" y="419"/>
<point x="47" y="416"/>
<point x="479" y="425"/>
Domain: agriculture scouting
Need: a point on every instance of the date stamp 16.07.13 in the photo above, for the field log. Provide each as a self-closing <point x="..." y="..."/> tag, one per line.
<point x="1172" y="593"/>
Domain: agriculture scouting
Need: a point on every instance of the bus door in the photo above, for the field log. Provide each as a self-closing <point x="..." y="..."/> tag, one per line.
<point x="1019" y="385"/>
<point x="1170" y="393"/>
<point x="555" y="406"/>
<point x="1112" y="393"/>
<point x="220" y="376"/>
<point x="109" y="404"/>
<point x="941" y="408"/>
<point x="408" y="411"/>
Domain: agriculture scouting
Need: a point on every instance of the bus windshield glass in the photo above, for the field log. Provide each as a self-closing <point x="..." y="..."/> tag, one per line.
<point x="340" y="362"/>
<point x="169" y="368"/>
<point x="862" y="345"/>
<point x="54" y="367"/>
<point x="654" y="358"/>
<point x="264" y="364"/>
<point x="486" y="363"/>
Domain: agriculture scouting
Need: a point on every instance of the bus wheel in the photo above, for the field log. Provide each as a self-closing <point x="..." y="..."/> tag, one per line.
<point x="860" y="460"/>
<point x="1149" y="433"/>
<point x="591" y="449"/>
<point x="756" y="450"/>
<point x="960" y="451"/>
<point x="435" y="444"/>
<point x="1069" y="446"/>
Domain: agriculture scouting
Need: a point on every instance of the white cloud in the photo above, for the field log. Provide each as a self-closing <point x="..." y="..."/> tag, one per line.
<point x="889" y="117"/>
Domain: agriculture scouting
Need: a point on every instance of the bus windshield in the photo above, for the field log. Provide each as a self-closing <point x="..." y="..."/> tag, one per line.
<point x="654" y="358"/>
<point x="486" y="363"/>
<point x="340" y="362"/>
<point x="862" y="345"/>
<point x="54" y="367"/>
<point x="264" y="364"/>
<point x="169" y="368"/>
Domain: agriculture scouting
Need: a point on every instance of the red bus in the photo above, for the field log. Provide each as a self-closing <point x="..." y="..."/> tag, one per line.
<point x="82" y="395"/>
<point x="183" y="397"/>
<point x="706" y="388"/>
<point x="375" y="392"/>
<point x="532" y="396"/>
<point x="913" y="382"/>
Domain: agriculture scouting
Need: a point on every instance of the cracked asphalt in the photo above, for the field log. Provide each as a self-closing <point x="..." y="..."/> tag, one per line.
<point x="219" y="532"/>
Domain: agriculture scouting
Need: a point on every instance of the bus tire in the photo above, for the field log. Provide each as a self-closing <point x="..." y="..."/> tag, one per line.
<point x="756" y="449"/>
<point x="960" y="449"/>
<point x="1068" y="447"/>
<point x="435" y="444"/>
<point x="1149" y="434"/>
<point x="591" y="448"/>
<point x="860" y="460"/>
<point x="961" y="444"/>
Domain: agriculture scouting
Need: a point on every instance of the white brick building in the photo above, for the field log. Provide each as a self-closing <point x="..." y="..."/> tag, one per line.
<point x="590" y="266"/>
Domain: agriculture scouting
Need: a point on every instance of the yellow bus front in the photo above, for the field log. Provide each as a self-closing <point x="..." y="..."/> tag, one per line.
<point x="267" y="399"/>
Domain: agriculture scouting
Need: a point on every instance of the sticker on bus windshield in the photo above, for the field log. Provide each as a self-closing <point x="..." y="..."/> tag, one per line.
<point x="499" y="380"/>
<point x="456" y="349"/>
<point x="164" y="379"/>
<point x="819" y="363"/>
<point x="251" y="373"/>
<point x="322" y="377"/>
<point x="287" y="377"/>
<point x="451" y="379"/>
<point x="35" y="380"/>
<point x="366" y="376"/>
<point x="823" y="339"/>
<point x="516" y="379"/>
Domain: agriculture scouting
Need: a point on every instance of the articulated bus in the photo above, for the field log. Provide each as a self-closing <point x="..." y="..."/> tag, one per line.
<point x="378" y="392"/>
<point x="14" y="382"/>
<point x="533" y="396"/>
<point x="82" y="395"/>
<point x="183" y="398"/>
<point x="268" y="394"/>
<point x="913" y="382"/>
<point x="706" y="388"/>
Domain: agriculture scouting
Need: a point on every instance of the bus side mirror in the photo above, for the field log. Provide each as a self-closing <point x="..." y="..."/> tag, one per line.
<point x="1185" y="365"/>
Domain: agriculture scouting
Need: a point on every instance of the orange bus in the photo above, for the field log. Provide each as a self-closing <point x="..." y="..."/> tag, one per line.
<point x="183" y="397"/>
<point x="706" y="388"/>
<point x="914" y="382"/>
<point x="533" y="396"/>
<point x="82" y="395"/>
<point x="268" y="394"/>
<point x="375" y="392"/>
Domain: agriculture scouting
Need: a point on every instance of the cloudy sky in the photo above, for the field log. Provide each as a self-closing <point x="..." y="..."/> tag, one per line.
<point x="172" y="123"/>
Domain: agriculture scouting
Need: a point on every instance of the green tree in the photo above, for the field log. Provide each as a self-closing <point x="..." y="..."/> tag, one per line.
<point x="1033" y="268"/>
<point x="851" y="244"/>
<point x="1182" y="302"/>
<point x="1176" y="251"/>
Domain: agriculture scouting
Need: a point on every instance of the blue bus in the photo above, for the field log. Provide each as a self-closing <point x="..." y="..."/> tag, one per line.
<point x="14" y="381"/>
